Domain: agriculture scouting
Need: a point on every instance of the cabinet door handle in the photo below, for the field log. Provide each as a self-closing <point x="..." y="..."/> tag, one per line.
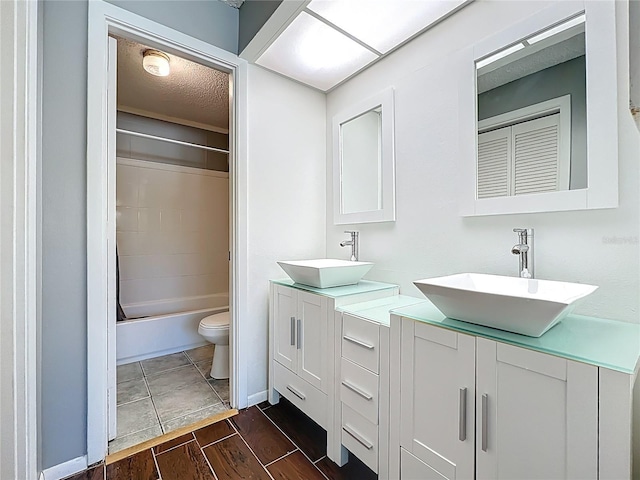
<point x="301" y="396"/>
<point x="462" y="415"/>
<point x="485" y="408"/>
<point x="293" y="330"/>
<point x="355" y="389"/>
<point x="358" y="342"/>
<point x="299" y="334"/>
<point x="359" y="438"/>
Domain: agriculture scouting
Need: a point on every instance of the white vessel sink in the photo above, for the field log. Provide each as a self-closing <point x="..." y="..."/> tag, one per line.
<point x="325" y="272"/>
<point x="520" y="305"/>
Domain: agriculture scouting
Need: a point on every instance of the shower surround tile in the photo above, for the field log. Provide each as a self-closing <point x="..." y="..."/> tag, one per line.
<point x="136" y="416"/>
<point x="185" y="400"/>
<point x="174" y="379"/>
<point x="131" y="390"/>
<point x="162" y="364"/>
<point x="127" y="219"/>
<point x="129" y="371"/>
<point x="177" y="217"/>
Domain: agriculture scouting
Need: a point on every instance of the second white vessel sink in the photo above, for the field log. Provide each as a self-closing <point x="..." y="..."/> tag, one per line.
<point x="519" y="305"/>
<point x="325" y="272"/>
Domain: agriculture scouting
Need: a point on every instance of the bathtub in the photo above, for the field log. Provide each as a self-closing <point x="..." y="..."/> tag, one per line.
<point x="163" y="327"/>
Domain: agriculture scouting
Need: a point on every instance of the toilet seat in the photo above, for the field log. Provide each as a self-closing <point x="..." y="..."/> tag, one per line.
<point x="217" y="321"/>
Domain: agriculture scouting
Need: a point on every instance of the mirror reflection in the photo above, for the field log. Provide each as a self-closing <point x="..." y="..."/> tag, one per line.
<point x="531" y="115"/>
<point x="361" y="162"/>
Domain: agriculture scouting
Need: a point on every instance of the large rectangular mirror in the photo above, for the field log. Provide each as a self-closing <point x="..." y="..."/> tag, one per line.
<point x="544" y="115"/>
<point x="532" y="115"/>
<point x="363" y="162"/>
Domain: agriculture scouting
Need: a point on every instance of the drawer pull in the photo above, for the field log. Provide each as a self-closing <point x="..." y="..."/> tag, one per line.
<point x="462" y="415"/>
<point x="358" y="342"/>
<point x="485" y="411"/>
<point x="293" y="330"/>
<point x="359" y="438"/>
<point x="355" y="389"/>
<point x="301" y="396"/>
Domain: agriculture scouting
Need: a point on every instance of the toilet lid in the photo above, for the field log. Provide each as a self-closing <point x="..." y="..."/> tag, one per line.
<point x="215" y="321"/>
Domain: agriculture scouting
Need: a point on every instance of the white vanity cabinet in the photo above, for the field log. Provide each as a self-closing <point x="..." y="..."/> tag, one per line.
<point x="518" y="413"/>
<point x="476" y="407"/>
<point x="363" y="388"/>
<point x="437" y="383"/>
<point x="362" y="381"/>
<point x="300" y="334"/>
<point x="536" y="414"/>
<point x="302" y="347"/>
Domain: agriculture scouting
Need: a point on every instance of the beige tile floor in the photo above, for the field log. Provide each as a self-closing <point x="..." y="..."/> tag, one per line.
<point x="162" y="394"/>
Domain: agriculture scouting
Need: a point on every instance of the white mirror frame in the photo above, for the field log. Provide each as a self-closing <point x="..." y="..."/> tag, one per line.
<point x="602" y="115"/>
<point x="387" y="213"/>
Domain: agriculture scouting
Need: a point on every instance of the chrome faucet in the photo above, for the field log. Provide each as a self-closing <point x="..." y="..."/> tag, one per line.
<point x="524" y="250"/>
<point x="353" y="243"/>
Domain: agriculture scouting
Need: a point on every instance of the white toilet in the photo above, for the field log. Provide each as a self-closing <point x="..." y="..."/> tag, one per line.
<point x="215" y="329"/>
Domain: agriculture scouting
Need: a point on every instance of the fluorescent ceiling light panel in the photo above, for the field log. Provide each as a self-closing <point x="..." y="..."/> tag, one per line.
<point x="313" y="53"/>
<point x="499" y="55"/>
<point x="560" y="28"/>
<point x="383" y="24"/>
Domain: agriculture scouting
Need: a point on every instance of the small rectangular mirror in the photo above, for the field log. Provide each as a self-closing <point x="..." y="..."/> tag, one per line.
<point x="363" y="162"/>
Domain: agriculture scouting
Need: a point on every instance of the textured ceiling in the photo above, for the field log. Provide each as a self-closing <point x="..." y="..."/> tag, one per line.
<point x="233" y="3"/>
<point x="192" y="94"/>
<point x="561" y="52"/>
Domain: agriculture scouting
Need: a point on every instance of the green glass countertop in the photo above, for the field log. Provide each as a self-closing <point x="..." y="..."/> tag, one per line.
<point x="363" y="286"/>
<point x="379" y="310"/>
<point x="603" y="343"/>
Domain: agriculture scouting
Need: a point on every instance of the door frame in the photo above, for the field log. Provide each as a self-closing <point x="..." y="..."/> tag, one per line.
<point x="20" y="120"/>
<point x="105" y="18"/>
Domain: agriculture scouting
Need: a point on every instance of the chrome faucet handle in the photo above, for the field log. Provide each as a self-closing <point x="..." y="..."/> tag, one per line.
<point x="524" y="250"/>
<point x="523" y="233"/>
<point x="354" y="244"/>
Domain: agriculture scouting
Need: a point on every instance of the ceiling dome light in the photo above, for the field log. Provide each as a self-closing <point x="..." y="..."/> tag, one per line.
<point x="156" y="63"/>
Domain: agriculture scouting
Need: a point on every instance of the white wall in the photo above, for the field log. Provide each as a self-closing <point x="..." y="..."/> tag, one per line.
<point x="429" y="238"/>
<point x="172" y="227"/>
<point x="63" y="377"/>
<point x="286" y="190"/>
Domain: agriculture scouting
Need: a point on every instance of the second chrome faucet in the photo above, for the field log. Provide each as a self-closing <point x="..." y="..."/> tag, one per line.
<point x="524" y="250"/>
<point x="353" y="243"/>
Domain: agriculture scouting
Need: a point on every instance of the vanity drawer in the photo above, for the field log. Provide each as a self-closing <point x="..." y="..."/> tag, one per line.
<point x="361" y="342"/>
<point x="301" y="393"/>
<point x="360" y="437"/>
<point x="359" y="389"/>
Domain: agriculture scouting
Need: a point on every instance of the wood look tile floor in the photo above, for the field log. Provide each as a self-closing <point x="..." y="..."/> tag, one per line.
<point x="262" y="442"/>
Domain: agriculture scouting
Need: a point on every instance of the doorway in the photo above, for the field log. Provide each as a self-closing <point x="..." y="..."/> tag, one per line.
<point x="104" y="20"/>
<point x="172" y="243"/>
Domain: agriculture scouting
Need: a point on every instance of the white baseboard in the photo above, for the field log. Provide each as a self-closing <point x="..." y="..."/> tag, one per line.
<point x="256" y="398"/>
<point x="65" y="469"/>
<point x="159" y="353"/>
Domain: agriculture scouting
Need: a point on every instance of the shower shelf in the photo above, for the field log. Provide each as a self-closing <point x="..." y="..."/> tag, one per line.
<point x="170" y="140"/>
